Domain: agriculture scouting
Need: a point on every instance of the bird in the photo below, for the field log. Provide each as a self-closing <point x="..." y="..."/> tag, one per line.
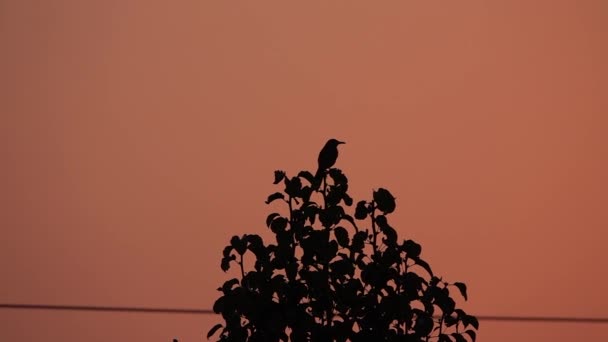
<point x="327" y="157"/>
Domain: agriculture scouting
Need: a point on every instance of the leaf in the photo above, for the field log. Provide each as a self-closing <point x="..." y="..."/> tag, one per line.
<point x="381" y="221"/>
<point x="275" y="196"/>
<point x="459" y="337"/>
<point x="347" y="200"/>
<point x="450" y="320"/>
<point x="389" y="232"/>
<point x="423" y="264"/>
<point x="361" y="210"/>
<point x="460" y="313"/>
<point x="358" y="241"/>
<point x="413" y="281"/>
<point x="308" y="176"/>
<point x="384" y="201"/>
<point x="293" y="186"/>
<point x="218" y="306"/>
<point x="342" y="267"/>
<point x="446" y="304"/>
<point x="349" y="219"/>
<point x="338" y="177"/>
<point x="254" y="240"/>
<point x="424" y="325"/>
<point x="278" y="176"/>
<point x="278" y="225"/>
<point x="341" y="236"/>
<point x="213" y="330"/>
<point x="444" y="338"/>
<point x="225" y="265"/>
<point x="229" y="284"/>
<point x="239" y="245"/>
<point x="391" y="236"/>
<point x="227" y="251"/>
<point x="472" y="334"/>
<point x="412" y="249"/>
<point x="463" y="289"/>
<point x="306" y="193"/>
<point x="471" y="320"/>
<point x="270" y="218"/>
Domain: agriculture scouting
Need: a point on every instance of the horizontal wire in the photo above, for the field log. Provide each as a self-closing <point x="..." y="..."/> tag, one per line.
<point x="106" y="308"/>
<point x="546" y="319"/>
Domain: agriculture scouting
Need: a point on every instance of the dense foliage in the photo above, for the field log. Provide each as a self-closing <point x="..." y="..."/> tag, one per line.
<point x="330" y="276"/>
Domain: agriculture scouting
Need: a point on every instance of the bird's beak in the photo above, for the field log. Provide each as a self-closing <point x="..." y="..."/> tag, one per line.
<point x="341" y="142"/>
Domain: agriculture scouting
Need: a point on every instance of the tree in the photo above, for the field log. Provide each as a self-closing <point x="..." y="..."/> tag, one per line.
<point x="331" y="276"/>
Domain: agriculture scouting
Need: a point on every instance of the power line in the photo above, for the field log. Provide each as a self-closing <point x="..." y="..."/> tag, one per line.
<point x="106" y="308"/>
<point x="545" y="319"/>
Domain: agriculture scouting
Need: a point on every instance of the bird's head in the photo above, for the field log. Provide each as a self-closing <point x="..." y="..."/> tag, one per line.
<point x="335" y="142"/>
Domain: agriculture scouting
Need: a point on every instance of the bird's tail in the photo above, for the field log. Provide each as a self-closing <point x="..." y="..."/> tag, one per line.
<point x="319" y="178"/>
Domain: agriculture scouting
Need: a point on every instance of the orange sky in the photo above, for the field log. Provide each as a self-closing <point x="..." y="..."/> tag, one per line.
<point x="137" y="138"/>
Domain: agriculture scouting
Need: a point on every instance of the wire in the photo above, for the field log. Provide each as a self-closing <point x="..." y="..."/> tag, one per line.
<point x="106" y="308"/>
<point x="545" y="319"/>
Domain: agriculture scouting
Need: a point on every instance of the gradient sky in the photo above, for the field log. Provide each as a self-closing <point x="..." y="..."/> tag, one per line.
<point x="136" y="137"/>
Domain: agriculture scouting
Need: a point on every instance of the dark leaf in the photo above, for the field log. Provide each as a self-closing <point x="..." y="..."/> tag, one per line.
<point x="349" y="219"/>
<point x="347" y="200"/>
<point x="358" y="241"/>
<point x="338" y="177"/>
<point x="310" y="212"/>
<point x="446" y="304"/>
<point x="423" y="264"/>
<point x="341" y="236"/>
<point x="278" y="225"/>
<point x="381" y="221"/>
<point x="225" y="264"/>
<point x="218" y="306"/>
<point x="444" y="338"/>
<point x="361" y="210"/>
<point x="278" y="176"/>
<point x="459" y="337"/>
<point x="472" y="334"/>
<point x="471" y="320"/>
<point x="450" y="320"/>
<point x="306" y="193"/>
<point x="342" y="267"/>
<point x="463" y="289"/>
<point x="412" y="249"/>
<point x="308" y="176"/>
<point x="460" y="313"/>
<point x="213" y="330"/>
<point x="275" y="196"/>
<point x="384" y="201"/>
<point x="227" y="251"/>
<point x="293" y="186"/>
<point x="270" y="218"/>
<point x="413" y="281"/>
<point x="254" y="240"/>
<point x="391" y="236"/>
<point x="424" y="325"/>
<point x="229" y="284"/>
<point x="240" y="245"/>
<point x="389" y="232"/>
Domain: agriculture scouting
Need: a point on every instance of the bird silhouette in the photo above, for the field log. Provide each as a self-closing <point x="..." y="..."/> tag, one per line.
<point x="327" y="157"/>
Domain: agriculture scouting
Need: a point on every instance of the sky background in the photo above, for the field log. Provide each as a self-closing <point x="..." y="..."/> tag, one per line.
<point x="136" y="137"/>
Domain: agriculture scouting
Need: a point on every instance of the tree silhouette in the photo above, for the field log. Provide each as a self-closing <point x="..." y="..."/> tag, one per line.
<point x="331" y="276"/>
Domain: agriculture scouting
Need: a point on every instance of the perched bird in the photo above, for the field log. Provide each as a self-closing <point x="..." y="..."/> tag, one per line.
<point x="327" y="157"/>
